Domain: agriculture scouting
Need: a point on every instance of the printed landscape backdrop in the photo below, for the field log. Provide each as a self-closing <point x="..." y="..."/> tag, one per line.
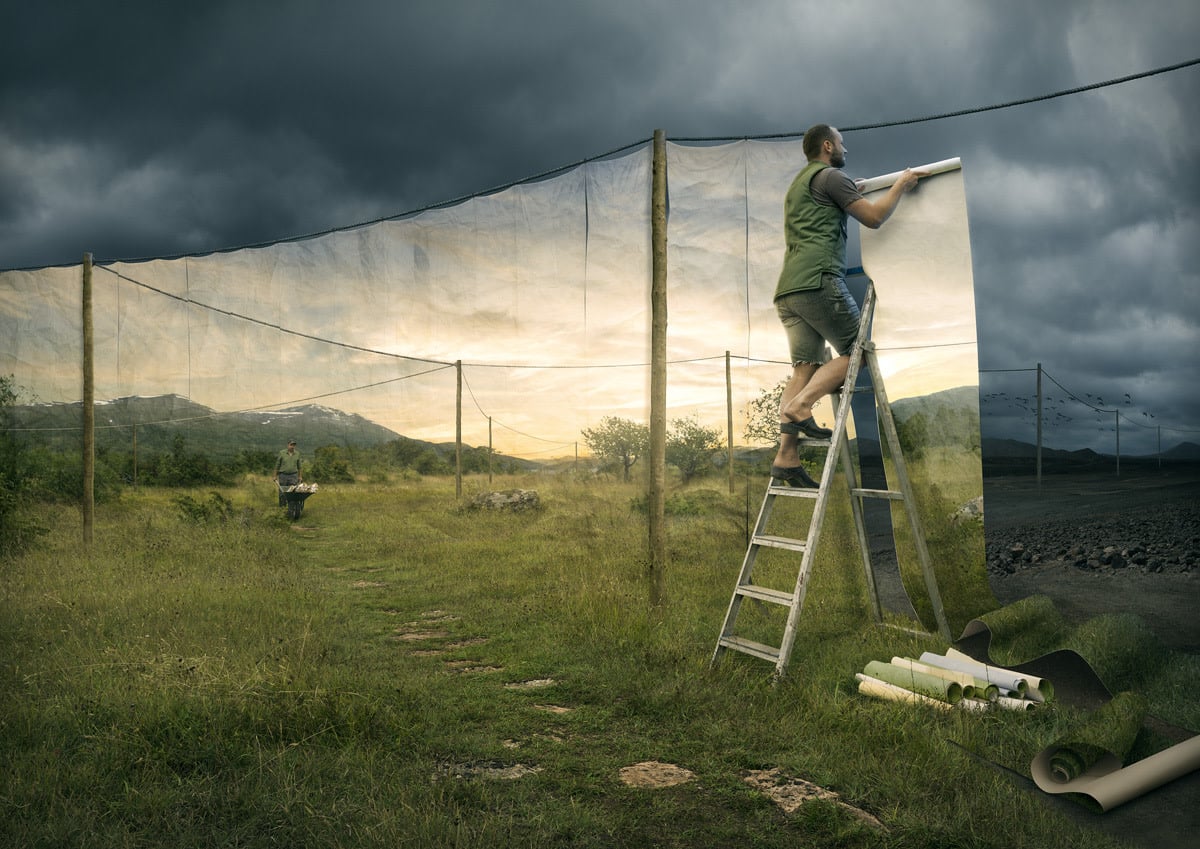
<point x="540" y="290"/>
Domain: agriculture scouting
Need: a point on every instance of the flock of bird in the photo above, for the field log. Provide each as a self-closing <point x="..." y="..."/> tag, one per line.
<point x="1055" y="409"/>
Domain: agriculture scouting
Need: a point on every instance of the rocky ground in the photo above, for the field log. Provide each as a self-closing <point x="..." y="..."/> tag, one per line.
<point x="1149" y="538"/>
<point x="1097" y="543"/>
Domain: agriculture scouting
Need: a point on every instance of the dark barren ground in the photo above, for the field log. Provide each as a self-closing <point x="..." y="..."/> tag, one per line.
<point x="1097" y="543"/>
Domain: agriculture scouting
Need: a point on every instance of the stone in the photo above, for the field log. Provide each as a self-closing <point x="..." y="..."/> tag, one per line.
<point x="514" y="500"/>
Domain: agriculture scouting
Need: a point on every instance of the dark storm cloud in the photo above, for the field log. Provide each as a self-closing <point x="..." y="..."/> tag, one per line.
<point x="161" y="128"/>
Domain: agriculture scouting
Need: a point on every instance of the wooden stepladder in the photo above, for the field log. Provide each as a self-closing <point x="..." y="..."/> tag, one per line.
<point x="838" y="449"/>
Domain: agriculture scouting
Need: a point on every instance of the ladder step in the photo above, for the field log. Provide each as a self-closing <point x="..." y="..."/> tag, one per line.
<point x="750" y="647"/>
<point x="890" y="494"/>
<point x="778" y="542"/>
<point x="765" y="594"/>
<point x="793" y="491"/>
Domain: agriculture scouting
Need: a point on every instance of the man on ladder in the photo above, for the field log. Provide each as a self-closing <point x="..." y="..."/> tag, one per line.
<point x="811" y="297"/>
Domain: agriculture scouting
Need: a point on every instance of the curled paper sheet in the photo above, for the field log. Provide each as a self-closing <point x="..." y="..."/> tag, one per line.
<point x="1089" y="760"/>
<point x="1076" y="683"/>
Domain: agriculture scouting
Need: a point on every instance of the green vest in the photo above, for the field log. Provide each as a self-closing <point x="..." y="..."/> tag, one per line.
<point x="815" y="236"/>
<point x="289" y="463"/>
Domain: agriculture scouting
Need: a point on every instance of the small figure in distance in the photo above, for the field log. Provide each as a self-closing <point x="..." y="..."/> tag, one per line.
<point x="287" y="470"/>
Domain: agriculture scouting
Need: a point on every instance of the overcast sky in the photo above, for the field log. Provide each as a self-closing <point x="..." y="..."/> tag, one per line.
<point x="156" y="129"/>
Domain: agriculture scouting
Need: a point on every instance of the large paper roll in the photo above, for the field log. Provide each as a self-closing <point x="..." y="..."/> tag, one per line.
<point x="919" y="682"/>
<point x="973" y="687"/>
<point x="875" y="688"/>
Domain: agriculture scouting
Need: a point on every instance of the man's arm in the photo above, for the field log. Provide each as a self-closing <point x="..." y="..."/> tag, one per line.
<point x="873" y="213"/>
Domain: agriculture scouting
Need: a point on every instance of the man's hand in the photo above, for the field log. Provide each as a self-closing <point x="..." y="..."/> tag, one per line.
<point x="908" y="180"/>
<point x="872" y="213"/>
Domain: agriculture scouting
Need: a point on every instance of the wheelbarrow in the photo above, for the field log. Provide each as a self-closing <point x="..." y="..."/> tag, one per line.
<point x="295" y="496"/>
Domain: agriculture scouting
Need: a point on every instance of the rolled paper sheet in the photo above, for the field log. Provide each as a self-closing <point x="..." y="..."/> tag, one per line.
<point x="975" y="705"/>
<point x="1038" y="689"/>
<point x="973" y="687"/>
<point x="1005" y="679"/>
<point x="965" y="680"/>
<point x="1009" y="703"/>
<point x="883" y="181"/>
<point x="875" y="688"/>
<point x="918" y="682"/>
<point x="986" y="689"/>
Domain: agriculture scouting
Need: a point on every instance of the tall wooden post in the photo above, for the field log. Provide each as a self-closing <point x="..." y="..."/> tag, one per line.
<point x="729" y="416"/>
<point x="89" y="405"/>
<point x="458" y="431"/>
<point x="658" y="371"/>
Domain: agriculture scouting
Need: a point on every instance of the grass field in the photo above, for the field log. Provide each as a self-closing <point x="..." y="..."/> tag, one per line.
<point x="396" y="670"/>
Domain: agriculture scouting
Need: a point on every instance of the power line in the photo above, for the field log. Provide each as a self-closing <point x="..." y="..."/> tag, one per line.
<point x="270" y="325"/>
<point x="974" y="110"/>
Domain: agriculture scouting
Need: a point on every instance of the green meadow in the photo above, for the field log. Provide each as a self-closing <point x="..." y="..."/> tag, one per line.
<point x="396" y="669"/>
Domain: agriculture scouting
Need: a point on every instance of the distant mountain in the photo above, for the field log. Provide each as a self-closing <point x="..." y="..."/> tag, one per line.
<point x="158" y="421"/>
<point x="965" y="398"/>
<point x="949" y="418"/>
<point x="1012" y="449"/>
<point x="1001" y="449"/>
<point x="1183" y="451"/>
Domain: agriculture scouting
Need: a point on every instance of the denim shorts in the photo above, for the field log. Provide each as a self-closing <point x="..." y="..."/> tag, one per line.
<point x="814" y="317"/>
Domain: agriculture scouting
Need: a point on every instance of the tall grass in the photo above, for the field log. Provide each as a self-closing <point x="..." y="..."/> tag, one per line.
<point x="349" y="679"/>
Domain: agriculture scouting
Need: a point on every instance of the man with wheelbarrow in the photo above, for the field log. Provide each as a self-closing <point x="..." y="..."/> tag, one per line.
<point x="287" y="470"/>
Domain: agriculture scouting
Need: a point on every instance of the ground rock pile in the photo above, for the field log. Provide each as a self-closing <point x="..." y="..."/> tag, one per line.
<point x="1158" y="539"/>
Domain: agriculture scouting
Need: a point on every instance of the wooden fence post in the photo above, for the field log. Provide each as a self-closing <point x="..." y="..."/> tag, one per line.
<point x="89" y="405"/>
<point x="658" y="370"/>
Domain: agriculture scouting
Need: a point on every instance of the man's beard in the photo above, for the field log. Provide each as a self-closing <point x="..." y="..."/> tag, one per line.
<point x="838" y="160"/>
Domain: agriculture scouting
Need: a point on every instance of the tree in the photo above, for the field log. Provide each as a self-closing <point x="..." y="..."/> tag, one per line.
<point x="690" y="447"/>
<point x="18" y="523"/>
<point x="618" y="442"/>
<point x="329" y="467"/>
<point x="762" y="415"/>
<point x="914" y="435"/>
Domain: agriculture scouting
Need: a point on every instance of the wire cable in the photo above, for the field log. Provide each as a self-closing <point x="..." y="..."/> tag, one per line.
<point x="972" y="111"/>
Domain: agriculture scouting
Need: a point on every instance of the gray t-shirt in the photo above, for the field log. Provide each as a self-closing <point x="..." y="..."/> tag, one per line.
<point x="833" y="187"/>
